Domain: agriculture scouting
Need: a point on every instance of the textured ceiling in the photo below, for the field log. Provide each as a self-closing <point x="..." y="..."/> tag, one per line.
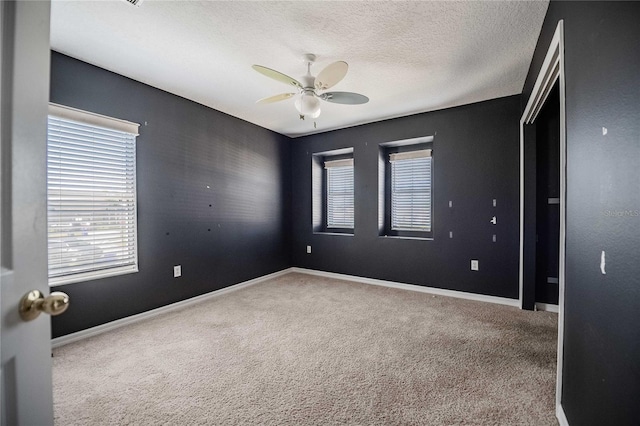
<point x="407" y="57"/>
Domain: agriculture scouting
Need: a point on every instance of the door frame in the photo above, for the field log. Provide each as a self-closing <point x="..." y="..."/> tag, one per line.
<point x="552" y="70"/>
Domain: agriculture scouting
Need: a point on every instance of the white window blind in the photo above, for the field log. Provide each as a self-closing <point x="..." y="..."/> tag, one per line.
<point x="411" y="191"/>
<point x="91" y="197"/>
<point x="340" y="193"/>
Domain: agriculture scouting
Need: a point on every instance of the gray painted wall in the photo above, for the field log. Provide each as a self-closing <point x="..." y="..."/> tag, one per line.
<point x="601" y="380"/>
<point x="476" y="160"/>
<point x="234" y="231"/>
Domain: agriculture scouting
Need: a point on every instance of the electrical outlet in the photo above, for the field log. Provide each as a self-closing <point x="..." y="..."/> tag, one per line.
<point x="308" y="249"/>
<point x="177" y="271"/>
<point x="474" y="265"/>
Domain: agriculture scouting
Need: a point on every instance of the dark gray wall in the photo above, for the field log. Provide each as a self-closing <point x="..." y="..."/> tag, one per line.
<point x="476" y="159"/>
<point x="232" y="232"/>
<point x="601" y="378"/>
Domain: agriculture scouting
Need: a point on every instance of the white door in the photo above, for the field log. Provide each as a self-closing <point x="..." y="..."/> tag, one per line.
<point x="24" y="91"/>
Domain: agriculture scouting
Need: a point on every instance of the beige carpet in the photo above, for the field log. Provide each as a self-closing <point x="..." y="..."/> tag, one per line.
<point x="304" y="350"/>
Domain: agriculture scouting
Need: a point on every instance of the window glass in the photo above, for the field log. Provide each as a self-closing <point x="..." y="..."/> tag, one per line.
<point x="340" y="208"/>
<point x="411" y="191"/>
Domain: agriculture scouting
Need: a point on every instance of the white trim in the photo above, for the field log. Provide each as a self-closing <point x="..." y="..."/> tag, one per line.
<point x="94" y="275"/>
<point x="521" y="252"/>
<point x="552" y="69"/>
<point x="92" y="118"/>
<point x="545" y="88"/>
<point x="94" y="331"/>
<point x="561" y="416"/>
<point x="410" y="287"/>
<point x="549" y="307"/>
<point x="563" y="216"/>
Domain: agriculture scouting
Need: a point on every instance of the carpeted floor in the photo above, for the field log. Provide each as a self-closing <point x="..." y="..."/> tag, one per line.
<point x="301" y="350"/>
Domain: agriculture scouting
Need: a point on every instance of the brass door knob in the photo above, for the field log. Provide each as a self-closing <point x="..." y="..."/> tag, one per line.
<point x="34" y="302"/>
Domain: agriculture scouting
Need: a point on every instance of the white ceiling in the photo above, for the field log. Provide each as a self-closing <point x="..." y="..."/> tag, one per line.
<point x="407" y="57"/>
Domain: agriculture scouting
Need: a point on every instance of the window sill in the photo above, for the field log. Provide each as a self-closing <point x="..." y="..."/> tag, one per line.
<point x="94" y="275"/>
<point x="344" y="234"/>
<point x="399" y="237"/>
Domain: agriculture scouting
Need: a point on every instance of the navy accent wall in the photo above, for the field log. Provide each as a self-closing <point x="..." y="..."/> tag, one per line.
<point x="601" y="378"/>
<point x="235" y="230"/>
<point x="476" y="160"/>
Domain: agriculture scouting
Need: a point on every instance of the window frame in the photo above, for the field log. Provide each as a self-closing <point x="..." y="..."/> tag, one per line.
<point x="386" y="151"/>
<point x="318" y="191"/>
<point x="325" y="201"/>
<point x="113" y="124"/>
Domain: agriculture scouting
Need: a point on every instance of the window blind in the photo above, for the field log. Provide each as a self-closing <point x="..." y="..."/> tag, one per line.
<point x="340" y="193"/>
<point x="91" y="200"/>
<point x="411" y="191"/>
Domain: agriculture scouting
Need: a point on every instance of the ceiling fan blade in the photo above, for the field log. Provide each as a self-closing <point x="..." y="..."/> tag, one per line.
<point x="331" y="75"/>
<point x="347" y="98"/>
<point x="276" y="98"/>
<point x="276" y="75"/>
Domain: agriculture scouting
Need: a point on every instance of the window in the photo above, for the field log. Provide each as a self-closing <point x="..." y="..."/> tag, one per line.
<point x="339" y="193"/>
<point x="411" y="191"/>
<point x="405" y="188"/>
<point x="332" y="187"/>
<point x="91" y="196"/>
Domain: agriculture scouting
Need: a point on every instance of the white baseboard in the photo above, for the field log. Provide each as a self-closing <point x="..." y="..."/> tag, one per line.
<point x="562" y="418"/>
<point x="93" y="331"/>
<point x="549" y="307"/>
<point x="412" y="287"/>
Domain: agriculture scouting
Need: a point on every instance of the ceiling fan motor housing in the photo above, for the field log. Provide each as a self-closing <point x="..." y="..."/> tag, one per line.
<point x="308" y="82"/>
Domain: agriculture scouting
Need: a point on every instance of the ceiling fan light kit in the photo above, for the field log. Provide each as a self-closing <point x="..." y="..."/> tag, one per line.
<point x="308" y="105"/>
<point x="308" y="99"/>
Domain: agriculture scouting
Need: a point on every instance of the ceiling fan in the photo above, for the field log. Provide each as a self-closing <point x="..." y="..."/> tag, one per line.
<point x="310" y="89"/>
